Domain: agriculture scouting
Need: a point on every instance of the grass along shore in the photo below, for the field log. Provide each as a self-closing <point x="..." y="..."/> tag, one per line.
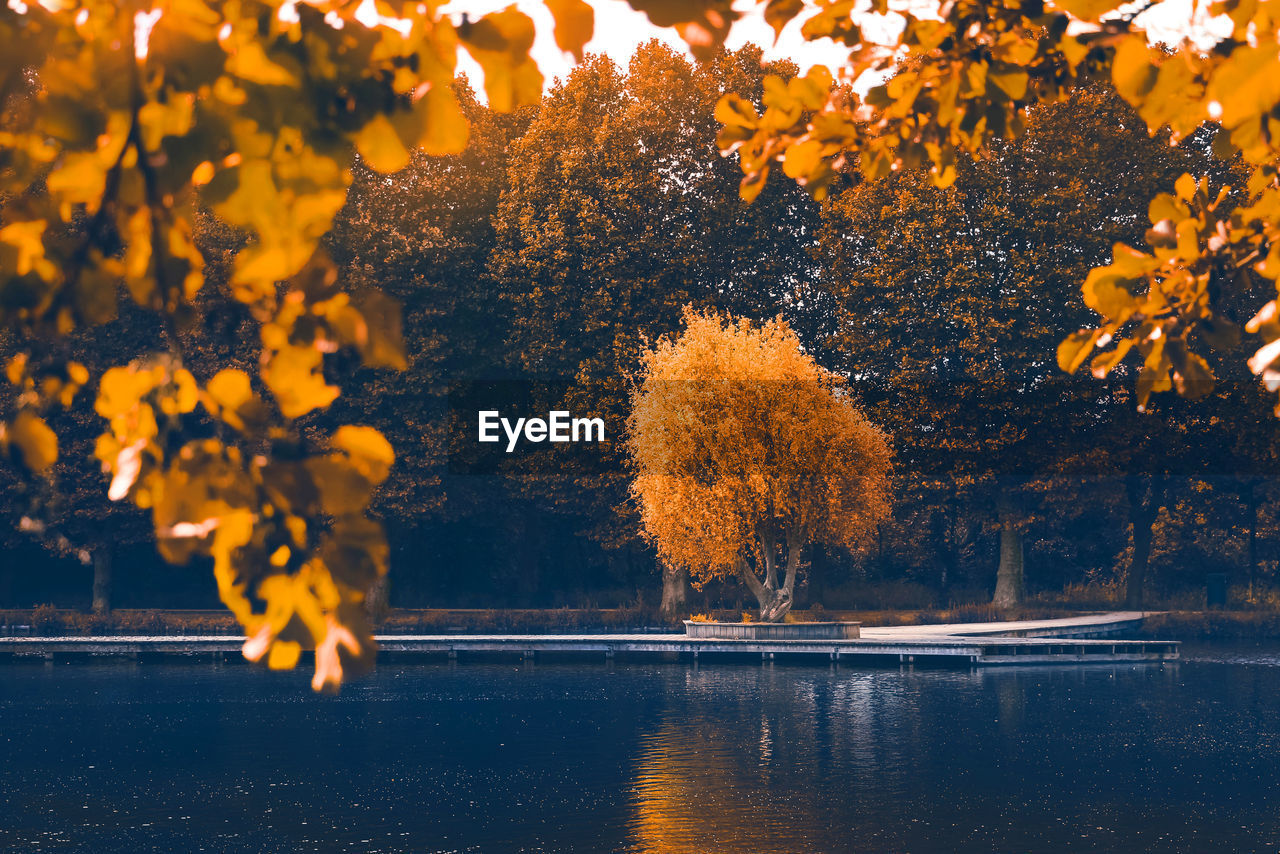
<point x="48" y="621"/>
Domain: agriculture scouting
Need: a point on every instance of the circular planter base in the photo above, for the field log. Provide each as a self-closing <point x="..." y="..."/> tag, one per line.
<point x="773" y="631"/>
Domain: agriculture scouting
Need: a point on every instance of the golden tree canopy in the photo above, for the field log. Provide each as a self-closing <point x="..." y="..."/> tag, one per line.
<point x="745" y="451"/>
<point x="125" y="126"/>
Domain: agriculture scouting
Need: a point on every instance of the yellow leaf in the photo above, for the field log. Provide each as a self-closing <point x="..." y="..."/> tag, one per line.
<point x="250" y="62"/>
<point x="81" y="178"/>
<point x="1130" y="263"/>
<point x="202" y="174"/>
<point x="1131" y="69"/>
<point x="1165" y="206"/>
<point x="733" y="110"/>
<point x="37" y="443"/>
<point x="1185" y="187"/>
<point x="779" y="13"/>
<point x="1012" y="83"/>
<point x="368" y="448"/>
<point x="380" y="145"/>
<point x="173" y="117"/>
<point x="183" y="397"/>
<point x="1246" y="84"/>
<point x="802" y="160"/>
<point x="1087" y="10"/>
<point x="575" y="21"/>
<point x="1107" y="294"/>
<point x="447" y="129"/>
<point x="811" y="90"/>
<point x="500" y="43"/>
<point x="1075" y="348"/>
<point x="1105" y="362"/>
<point x="751" y="185"/>
<point x="230" y="388"/>
<point x="27" y="237"/>
<point x="16" y="368"/>
<point x="1188" y="232"/>
<point x="284" y="655"/>
<point x="120" y="390"/>
<point x="294" y="378"/>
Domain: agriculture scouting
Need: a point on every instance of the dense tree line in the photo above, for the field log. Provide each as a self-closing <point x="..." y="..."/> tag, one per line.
<point x="569" y="236"/>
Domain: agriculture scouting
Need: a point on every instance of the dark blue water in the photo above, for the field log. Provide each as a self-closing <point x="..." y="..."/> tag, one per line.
<point x="645" y="758"/>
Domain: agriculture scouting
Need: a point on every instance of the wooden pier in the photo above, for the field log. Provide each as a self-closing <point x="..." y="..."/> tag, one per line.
<point x="1027" y="642"/>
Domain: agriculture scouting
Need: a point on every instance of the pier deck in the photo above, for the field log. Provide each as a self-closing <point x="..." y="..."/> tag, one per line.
<point x="1021" y="642"/>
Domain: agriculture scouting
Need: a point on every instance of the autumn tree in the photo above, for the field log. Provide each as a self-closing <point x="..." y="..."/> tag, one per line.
<point x="139" y="118"/>
<point x="619" y="211"/>
<point x="746" y="452"/>
<point x="423" y="236"/>
<point x="951" y="303"/>
<point x="960" y="77"/>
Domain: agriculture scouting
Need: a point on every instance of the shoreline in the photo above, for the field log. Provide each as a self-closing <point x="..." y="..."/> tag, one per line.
<point x="1085" y="639"/>
<point x="1158" y="624"/>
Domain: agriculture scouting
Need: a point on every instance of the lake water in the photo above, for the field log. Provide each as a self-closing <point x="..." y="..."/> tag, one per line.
<point x="645" y="758"/>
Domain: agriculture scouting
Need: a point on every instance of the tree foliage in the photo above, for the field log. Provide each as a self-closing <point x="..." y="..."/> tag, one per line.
<point x="746" y="452"/>
<point x="955" y="299"/>
<point x="959" y="76"/>
<point x="619" y="210"/>
<point x="123" y="122"/>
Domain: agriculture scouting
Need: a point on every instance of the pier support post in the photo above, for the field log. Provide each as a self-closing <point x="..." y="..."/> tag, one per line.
<point x="453" y="655"/>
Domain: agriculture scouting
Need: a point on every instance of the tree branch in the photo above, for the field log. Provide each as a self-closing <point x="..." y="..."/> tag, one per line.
<point x="794" y="545"/>
<point x="753" y="583"/>
<point x="767" y="548"/>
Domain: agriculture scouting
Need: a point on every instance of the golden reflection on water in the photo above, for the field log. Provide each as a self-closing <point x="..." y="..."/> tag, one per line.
<point x="691" y="797"/>
<point x="736" y="774"/>
<point x="779" y="762"/>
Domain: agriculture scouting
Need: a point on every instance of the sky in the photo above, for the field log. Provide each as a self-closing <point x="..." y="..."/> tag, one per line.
<point x="619" y="30"/>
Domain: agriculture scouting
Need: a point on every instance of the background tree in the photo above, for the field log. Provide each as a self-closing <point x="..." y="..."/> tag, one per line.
<point x="954" y="299"/>
<point x="960" y="78"/>
<point x="746" y="452"/>
<point x="423" y="236"/>
<point x="139" y="118"/>
<point x="620" y="210"/>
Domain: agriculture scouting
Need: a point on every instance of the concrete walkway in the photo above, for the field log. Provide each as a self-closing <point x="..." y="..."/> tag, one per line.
<point x="1090" y="624"/>
<point x="1021" y="642"/>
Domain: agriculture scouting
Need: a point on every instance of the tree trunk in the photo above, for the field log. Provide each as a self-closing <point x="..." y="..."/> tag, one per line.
<point x="943" y="525"/>
<point x="675" y="594"/>
<point x="775" y="605"/>
<point x="1253" y="502"/>
<point x="775" y="602"/>
<point x="817" y="575"/>
<point x="101" y="580"/>
<point x="1145" y="498"/>
<point x="377" y="602"/>
<point x="1010" y="583"/>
